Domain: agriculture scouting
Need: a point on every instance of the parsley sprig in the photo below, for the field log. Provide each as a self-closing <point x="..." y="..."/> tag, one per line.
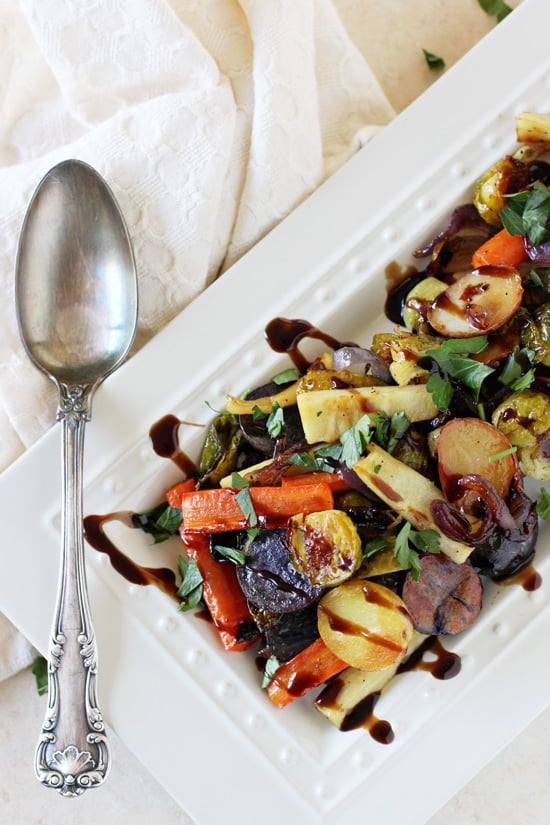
<point x="528" y="212"/>
<point x="453" y="364"/>
<point x="190" y="590"/>
<point x="161" y="522"/>
<point x="409" y="543"/>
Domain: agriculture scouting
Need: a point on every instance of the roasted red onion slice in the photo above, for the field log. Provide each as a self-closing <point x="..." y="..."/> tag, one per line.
<point x="347" y="356"/>
<point x="537" y="254"/>
<point x="493" y="511"/>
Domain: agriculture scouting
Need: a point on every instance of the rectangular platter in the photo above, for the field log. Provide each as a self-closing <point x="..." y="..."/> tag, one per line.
<point x="193" y="714"/>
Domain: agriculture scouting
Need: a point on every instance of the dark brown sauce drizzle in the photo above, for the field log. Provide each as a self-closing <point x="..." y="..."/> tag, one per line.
<point x="527" y="577"/>
<point x="443" y="665"/>
<point x="94" y="533"/>
<point x="284" y="335"/>
<point x="165" y="443"/>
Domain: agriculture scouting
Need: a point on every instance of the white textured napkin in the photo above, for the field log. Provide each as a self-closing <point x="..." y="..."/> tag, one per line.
<point x="210" y="120"/>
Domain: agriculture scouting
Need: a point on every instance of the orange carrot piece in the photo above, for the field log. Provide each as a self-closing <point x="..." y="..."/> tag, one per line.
<point x="501" y="248"/>
<point x="174" y="494"/>
<point x="221" y="593"/>
<point x="307" y="670"/>
<point x="335" y="480"/>
<point x="219" y="510"/>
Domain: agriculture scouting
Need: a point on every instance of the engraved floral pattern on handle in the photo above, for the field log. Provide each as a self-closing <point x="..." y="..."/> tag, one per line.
<point x="72" y="753"/>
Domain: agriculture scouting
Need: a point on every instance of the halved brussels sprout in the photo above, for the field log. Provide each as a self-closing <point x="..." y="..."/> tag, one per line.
<point x="524" y="417"/>
<point x="417" y="302"/>
<point x="325" y="546"/>
<point x="535" y="334"/>
<point x="504" y="177"/>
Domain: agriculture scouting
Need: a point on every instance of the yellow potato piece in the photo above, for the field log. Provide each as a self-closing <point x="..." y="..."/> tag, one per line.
<point x="365" y="624"/>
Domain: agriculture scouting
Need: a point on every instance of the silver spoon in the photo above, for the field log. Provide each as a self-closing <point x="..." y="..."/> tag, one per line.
<point x="76" y="304"/>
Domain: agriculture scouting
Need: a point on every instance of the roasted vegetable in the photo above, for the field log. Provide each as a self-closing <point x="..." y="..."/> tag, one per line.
<point x="268" y="578"/>
<point x="417" y="302"/>
<point x="477" y="303"/>
<point x="325" y="546"/>
<point x="365" y="624"/>
<point x="535" y="334"/>
<point x="446" y="597"/>
<point x="524" y="418"/>
<point x="219" y="453"/>
<point x="407" y="492"/>
<point x="506" y="176"/>
<point x="326" y="414"/>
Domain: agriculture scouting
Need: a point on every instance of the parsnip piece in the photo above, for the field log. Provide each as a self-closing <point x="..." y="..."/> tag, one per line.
<point x="352" y="686"/>
<point x="244" y="406"/>
<point x="326" y="414"/>
<point x="408" y="493"/>
<point x="532" y="127"/>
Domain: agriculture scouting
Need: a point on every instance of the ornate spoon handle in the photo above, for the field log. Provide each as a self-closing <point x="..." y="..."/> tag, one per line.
<point x="72" y="753"/>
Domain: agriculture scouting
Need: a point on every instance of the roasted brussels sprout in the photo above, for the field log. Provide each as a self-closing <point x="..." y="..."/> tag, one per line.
<point x="535" y="334"/>
<point x="524" y="417"/>
<point x="417" y="302"/>
<point x="325" y="547"/>
<point x="508" y="175"/>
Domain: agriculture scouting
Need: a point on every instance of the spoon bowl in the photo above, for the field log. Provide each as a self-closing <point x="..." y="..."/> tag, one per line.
<point x="76" y="306"/>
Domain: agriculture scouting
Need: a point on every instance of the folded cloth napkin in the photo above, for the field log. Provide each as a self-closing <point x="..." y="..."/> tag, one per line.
<point x="210" y="120"/>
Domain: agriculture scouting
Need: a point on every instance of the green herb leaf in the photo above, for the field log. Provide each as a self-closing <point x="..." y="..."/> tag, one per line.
<point x="161" y="522"/>
<point x="543" y="504"/>
<point x="527" y="213"/>
<point x="433" y="60"/>
<point x="258" y="414"/>
<point x="517" y="372"/>
<point x="271" y="667"/>
<point x="451" y="361"/>
<point x="498" y="8"/>
<point x="243" y="498"/>
<point x="425" y="541"/>
<point x="372" y="546"/>
<point x="286" y="376"/>
<point x="276" y="421"/>
<point x="503" y="453"/>
<point x="190" y="590"/>
<point x="354" y="441"/>
<point x="40" y="671"/>
<point x="441" y="391"/>
<point x="389" y="430"/>
<point x="231" y="553"/>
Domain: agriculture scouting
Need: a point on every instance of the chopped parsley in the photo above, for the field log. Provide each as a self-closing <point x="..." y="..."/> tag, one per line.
<point x="271" y="667"/>
<point x="286" y="376"/>
<point x="161" y="522"/>
<point x="354" y="441"/>
<point x="40" y="672"/>
<point x="452" y="363"/>
<point x="497" y="8"/>
<point x="388" y="430"/>
<point x="231" y="553"/>
<point x="243" y="498"/>
<point x="409" y="543"/>
<point x="434" y="61"/>
<point x="517" y="373"/>
<point x="527" y="213"/>
<point x="190" y="590"/>
<point x="275" y="424"/>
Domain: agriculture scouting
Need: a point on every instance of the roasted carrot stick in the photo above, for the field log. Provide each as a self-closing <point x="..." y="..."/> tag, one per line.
<point x="221" y="593"/>
<point x="501" y="248"/>
<point x="174" y="494"/>
<point x="219" y="510"/>
<point x="308" y="669"/>
<point x="335" y="480"/>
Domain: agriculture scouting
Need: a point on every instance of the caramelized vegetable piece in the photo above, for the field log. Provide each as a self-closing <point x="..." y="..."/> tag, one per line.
<point x="408" y="493"/>
<point x="310" y="668"/>
<point x="220" y="510"/>
<point x="222" y="595"/>
<point x="532" y="127"/>
<point x="479" y="302"/>
<point x="504" y="177"/>
<point x="502" y="248"/>
<point x="340" y="698"/>
<point x="365" y="624"/>
<point x="468" y="446"/>
<point x="325" y="546"/>
<point x="326" y="414"/>
<point x="446" y="598"/>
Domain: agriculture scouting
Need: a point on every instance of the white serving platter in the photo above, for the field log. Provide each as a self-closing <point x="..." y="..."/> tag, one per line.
<point x="192" y="713"/>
